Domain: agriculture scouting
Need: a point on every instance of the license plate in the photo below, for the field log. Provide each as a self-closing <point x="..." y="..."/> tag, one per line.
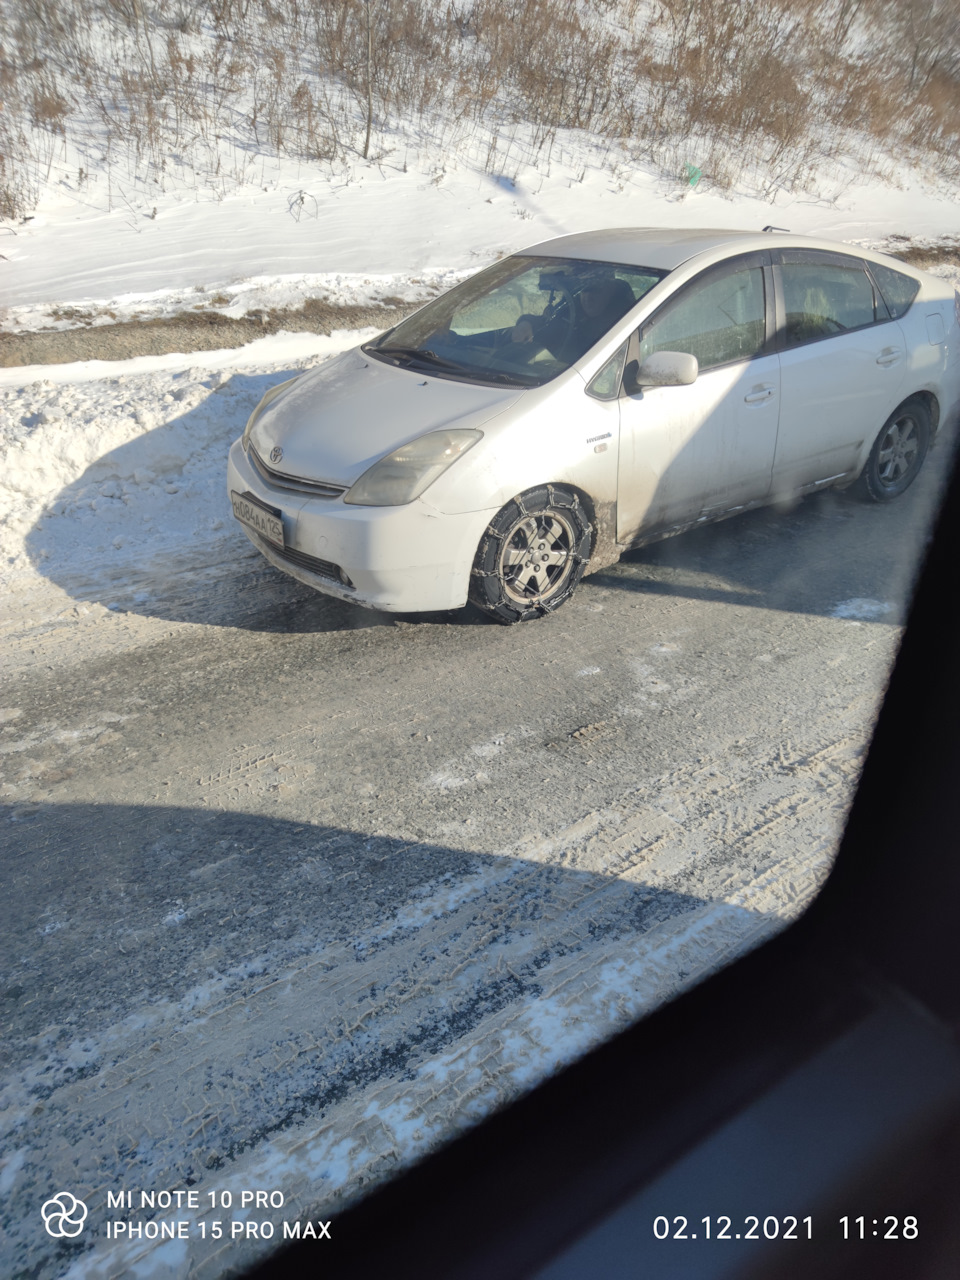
<point x="256" y="515"/>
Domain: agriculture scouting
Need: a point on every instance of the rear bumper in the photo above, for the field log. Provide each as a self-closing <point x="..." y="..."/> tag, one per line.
<point x="408" y="559"/>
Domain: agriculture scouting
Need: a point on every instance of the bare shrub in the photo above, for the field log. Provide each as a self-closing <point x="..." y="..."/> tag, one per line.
<point x="48" y="107"/>
<point x="559" y="65"/>
<point x="860" y="99"/>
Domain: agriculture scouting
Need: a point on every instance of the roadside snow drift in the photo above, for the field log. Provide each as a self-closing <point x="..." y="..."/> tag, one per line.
<point x="104" y="472"/>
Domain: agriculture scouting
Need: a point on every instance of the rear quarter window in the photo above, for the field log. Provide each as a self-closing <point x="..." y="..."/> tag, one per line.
<point x="898" y="290"/>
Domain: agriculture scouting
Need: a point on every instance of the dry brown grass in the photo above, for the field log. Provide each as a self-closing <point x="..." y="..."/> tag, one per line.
<point x="933" y="256"/>
<point x="749" y="90"/>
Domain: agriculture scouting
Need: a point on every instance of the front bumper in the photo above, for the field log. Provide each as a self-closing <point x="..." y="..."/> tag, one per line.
<point x="409" y="559"/>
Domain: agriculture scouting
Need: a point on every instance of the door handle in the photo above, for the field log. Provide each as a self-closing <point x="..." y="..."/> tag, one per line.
<point x="889" y="356"/>
<point x="758" y="395"/>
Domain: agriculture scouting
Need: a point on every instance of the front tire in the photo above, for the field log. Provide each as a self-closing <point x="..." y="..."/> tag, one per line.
<point x="897" y="454"/>
<point x="532" y="555"/>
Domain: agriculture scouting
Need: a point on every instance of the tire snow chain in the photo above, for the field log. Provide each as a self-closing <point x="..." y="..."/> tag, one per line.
<point x="574" y="555"/>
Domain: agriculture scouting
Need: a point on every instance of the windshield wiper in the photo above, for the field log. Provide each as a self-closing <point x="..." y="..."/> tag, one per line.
<point x="430" y="358"/>
<point x="521" y="380"/>
<point x="425" y="355"/>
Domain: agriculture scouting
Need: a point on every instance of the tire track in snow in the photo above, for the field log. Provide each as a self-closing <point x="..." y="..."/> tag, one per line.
<point x="366" y="1052"/>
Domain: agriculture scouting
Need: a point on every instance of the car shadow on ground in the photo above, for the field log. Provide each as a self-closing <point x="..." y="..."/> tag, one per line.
<point x="115" y="535"/>
<point x="165" y="964"/>
<point x="830" y="554"/>
<point x="147" y="527"/>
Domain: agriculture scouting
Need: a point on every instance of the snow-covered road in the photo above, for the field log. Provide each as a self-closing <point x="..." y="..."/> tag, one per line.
<point x="298" y="890"/>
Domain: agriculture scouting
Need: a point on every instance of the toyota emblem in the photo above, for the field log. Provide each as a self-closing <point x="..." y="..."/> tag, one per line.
<point x="276" y="453"/>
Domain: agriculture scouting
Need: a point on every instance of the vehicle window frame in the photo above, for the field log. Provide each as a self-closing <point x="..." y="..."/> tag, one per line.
<point x="375" y="348"/>
<point x="716" y="270"/>
<point x="820" y="257"/>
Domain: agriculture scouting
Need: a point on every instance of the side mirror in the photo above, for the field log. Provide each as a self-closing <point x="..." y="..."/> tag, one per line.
<point x="661" y="369"/>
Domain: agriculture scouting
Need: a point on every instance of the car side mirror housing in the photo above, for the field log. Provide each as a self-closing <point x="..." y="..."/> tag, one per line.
<point x="661" y="369"/>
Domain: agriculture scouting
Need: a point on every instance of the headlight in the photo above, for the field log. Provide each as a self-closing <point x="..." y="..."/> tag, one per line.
<point x="404" y="474"/>
<point x="269" y="398"/>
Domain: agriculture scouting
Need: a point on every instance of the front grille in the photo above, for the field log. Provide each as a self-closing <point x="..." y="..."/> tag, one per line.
<point x="323" y="568"/>
<point x="316" y="488"/>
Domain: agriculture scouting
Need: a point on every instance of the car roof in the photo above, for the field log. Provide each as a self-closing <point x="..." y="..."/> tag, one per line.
<point x="664" y="248"/>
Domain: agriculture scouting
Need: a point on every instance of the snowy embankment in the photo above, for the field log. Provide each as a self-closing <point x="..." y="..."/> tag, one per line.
<point x="107" y="467"/>
<point x="235" y="299"/>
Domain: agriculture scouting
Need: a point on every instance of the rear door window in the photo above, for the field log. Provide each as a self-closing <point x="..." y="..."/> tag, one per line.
<point x="825" y="296"/>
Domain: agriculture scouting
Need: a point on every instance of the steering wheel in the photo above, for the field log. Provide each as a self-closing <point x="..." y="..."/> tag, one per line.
<point x="566" y="309"/>
<point x="562" y="313"/>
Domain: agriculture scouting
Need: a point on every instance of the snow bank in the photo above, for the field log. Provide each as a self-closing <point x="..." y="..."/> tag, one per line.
<point x="104" y="467"/>
<point x="236" y="298"/>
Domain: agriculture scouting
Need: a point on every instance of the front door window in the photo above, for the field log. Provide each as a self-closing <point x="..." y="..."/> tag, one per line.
<point x="720" y="321"/>
<point x="708" y="446"/>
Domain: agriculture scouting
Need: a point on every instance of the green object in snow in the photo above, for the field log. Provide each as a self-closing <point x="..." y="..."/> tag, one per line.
<point x="693" y="174"/>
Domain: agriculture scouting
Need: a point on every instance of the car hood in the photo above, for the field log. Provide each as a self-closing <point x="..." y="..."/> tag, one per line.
<point x="336" y="421"/>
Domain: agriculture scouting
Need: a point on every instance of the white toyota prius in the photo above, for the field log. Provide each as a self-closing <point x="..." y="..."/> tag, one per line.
<point x="590" y="394"/>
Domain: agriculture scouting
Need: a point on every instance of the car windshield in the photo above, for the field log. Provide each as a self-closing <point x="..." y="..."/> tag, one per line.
<point x="522" y="321"/>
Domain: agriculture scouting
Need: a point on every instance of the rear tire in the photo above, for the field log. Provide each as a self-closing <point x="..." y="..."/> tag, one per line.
<point x="897" y="454"/>
<point x="531" y="556"/>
